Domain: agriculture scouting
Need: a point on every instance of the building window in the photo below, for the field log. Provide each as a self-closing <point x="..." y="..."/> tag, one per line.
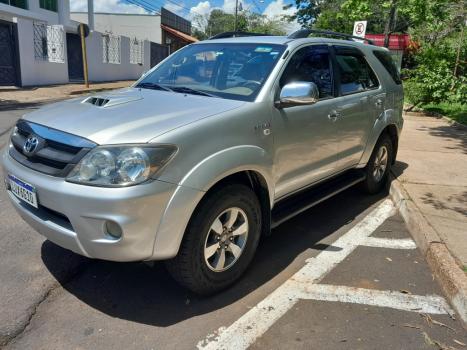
<point x="136" y="51"/>
<point x="111" y="49"/>
<point x="17" y="3"/>
<point x="50" y="5"/>
<point x="49" y="43"/>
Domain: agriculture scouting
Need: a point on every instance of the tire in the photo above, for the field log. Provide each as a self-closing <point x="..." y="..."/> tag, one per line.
<point x="194" y="267"/>
<point x="382" y="157"/>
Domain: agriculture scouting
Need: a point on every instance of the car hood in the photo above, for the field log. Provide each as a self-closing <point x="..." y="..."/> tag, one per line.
<point x="130" y="115"/>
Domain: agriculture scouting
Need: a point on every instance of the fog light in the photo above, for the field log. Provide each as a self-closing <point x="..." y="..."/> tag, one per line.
<point x="113" y="229"/>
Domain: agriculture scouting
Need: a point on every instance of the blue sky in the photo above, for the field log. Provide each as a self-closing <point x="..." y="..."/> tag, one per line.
<point x="186" y="8"/>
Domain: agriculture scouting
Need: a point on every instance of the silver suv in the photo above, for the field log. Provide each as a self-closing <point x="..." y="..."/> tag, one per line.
<point x="222" y="141"/>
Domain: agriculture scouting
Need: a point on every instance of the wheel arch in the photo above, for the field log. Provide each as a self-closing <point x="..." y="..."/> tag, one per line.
<point x="249" y="165"/>
<point x="382" y="127"/>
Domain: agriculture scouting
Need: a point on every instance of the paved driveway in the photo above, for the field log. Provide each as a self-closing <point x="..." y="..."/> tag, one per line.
<point x="343" y="275"/>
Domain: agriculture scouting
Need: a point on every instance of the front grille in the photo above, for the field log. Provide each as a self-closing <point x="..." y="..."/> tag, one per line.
<point x="57" y="152"/>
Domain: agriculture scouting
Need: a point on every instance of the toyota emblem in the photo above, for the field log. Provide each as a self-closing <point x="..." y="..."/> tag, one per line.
<point x="30" y="146"/>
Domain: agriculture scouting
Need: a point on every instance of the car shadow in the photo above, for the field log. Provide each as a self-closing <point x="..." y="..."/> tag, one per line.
<point x="145" y="293"/>
<point x="398" y="168"/>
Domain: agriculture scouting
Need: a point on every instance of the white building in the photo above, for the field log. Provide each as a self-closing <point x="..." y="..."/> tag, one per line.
<point x="167" y="29"/>
<point x="39" y="45"/>
<point x="140" y="26"/>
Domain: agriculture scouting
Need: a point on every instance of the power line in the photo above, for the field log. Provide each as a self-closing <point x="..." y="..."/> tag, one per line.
<point x="143" y="6"/>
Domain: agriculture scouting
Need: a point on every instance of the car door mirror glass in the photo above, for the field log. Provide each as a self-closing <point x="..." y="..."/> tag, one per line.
<point x="298" y="93"/>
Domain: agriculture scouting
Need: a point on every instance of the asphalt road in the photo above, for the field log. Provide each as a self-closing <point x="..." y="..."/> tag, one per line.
<point x="343" y="275"/>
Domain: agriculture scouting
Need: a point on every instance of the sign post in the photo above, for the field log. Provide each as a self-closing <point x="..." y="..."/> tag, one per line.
<point x="359" y="29"/>
<point x="83" y="33"/>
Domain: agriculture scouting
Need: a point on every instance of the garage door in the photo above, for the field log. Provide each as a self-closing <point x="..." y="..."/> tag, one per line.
<point x="8" y="62"/>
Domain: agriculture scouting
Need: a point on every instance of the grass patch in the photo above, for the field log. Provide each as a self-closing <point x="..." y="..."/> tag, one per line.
<point x="455" y="111"/>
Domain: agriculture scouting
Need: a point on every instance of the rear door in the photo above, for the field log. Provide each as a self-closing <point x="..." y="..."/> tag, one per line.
<point x="360" y="101"/>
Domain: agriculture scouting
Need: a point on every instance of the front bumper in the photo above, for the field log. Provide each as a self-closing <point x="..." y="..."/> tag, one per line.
<point x="74" y="216"/>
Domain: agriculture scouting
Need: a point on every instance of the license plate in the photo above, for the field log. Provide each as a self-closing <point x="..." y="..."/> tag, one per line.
<point x="23" y="190"/>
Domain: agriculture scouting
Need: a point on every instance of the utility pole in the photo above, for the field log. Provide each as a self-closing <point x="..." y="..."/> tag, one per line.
<point x="236" y="15"/>
<point x="390" y="22"/>
<point x="91" y="15"/>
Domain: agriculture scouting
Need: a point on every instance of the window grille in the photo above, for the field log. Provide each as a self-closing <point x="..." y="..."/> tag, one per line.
<point x="111" y="48"/>
<point x="49" y="43"/>
<point x="136" y="51"/>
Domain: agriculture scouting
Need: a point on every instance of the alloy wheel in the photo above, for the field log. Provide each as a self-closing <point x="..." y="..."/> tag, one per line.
<point x="226" y="239"/>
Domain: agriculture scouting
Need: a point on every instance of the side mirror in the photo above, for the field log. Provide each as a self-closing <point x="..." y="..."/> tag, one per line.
<point x="299" y="93"/>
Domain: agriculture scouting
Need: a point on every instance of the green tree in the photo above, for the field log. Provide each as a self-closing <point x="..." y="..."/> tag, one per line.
<point x="219" y="21"/>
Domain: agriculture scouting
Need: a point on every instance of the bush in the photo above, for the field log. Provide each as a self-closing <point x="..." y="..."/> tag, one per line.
<point x="432" y="79"/>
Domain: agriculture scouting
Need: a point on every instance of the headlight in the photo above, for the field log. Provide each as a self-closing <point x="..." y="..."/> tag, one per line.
<point x="118" y="166"/>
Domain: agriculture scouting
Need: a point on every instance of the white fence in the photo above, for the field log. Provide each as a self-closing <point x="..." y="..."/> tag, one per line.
<point x="43" y="55"/>
<point x="102" y="69"/>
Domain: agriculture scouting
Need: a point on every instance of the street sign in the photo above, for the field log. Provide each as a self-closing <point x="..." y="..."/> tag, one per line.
<point x="359" y="28"/>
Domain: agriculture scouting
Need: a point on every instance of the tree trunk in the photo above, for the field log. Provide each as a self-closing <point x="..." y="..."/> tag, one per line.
<point x="461" y="40"/>
<point x="390" y="22"/>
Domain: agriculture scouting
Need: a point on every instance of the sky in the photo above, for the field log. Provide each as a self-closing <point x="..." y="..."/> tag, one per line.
<point x="189" y="8"/>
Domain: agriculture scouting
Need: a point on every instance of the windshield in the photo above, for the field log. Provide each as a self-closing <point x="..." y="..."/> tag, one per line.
<point x="233" y="71"/>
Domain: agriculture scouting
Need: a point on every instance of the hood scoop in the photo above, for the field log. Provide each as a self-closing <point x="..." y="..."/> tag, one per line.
<point x="97" y="101"/>
<point x="113" y="99"/>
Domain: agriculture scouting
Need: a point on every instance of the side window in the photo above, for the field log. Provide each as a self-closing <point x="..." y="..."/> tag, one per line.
<point x="311" y="63"/>
<point x="355" y="73"/>
<point x="389" y="65"/>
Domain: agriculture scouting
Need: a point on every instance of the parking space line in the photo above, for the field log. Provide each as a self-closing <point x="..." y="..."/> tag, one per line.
<point x="431" y="304"/>
<point x="243" y="332"/>
<point x="405" y="243"/>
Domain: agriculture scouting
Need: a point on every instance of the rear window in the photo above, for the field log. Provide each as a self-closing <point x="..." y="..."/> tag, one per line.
<point x="388" y="63"/>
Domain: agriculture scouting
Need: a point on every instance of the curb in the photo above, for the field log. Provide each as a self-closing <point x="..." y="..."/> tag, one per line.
<point x="87" y="91"/>
<point x="451" y="277"/>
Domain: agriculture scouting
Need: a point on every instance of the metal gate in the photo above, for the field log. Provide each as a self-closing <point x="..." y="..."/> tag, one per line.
<point x="158" y="53"/>
<point x="9" y="67"/>
<point x="75" y="57"/>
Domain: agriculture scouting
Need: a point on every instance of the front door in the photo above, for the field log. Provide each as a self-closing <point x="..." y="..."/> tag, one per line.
<point x="75" y="57"/>
<point x="305" y="137"/>
<point x="8" y="59"/>
<point x="358" y="105"/>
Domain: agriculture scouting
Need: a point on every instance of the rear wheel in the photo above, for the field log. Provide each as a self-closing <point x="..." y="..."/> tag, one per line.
<point x="220" y="240"/>
<point x="379" y="165"/>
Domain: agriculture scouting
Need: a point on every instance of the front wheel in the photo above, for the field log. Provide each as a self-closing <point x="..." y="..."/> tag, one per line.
<point x="379" y="165"/>
<point x="220" y="240"/>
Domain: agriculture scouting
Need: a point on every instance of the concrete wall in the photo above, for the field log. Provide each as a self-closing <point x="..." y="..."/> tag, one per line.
<point x="100" y="71"/>
<point x="142" y="27"/>
<point x="37" y="72"/>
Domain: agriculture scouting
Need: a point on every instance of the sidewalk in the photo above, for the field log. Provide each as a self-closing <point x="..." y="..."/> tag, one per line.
<point x="53" y="92"/>
<point x="432" y="168"/>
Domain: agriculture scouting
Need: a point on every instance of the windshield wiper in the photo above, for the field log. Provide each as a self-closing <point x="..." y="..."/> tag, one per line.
<point x="153" y="86"/>
<point x="187" y="90"/>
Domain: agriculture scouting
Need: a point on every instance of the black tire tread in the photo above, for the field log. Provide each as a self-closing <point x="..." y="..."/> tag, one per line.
<point x="185" y="268"/>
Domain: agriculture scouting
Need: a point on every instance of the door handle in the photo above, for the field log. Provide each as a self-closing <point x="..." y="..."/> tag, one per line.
<point x="333" y="115"/>
<point x="379" y="103"/>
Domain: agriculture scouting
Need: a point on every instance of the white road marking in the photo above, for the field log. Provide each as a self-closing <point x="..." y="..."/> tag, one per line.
<point x="406" y="243"/>
<point x="431" y="304"/>
<point x="303" y="285"/>
<point x="243" y="332"/>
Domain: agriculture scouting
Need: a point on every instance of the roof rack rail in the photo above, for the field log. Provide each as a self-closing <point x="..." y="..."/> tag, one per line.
<point x="304" y="33"/>
<point x="235" y="35"/>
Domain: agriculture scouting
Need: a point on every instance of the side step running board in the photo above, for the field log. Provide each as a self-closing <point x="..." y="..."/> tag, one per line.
<point x="298" y="203"/>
